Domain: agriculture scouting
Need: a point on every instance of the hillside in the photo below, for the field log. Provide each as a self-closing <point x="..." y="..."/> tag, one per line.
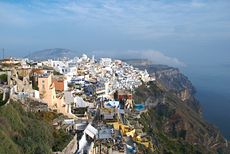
<point x="174" y="126"/>
<point x="28" y="132"/>
<point x="172" y="80"/>
<point x="55" y="53"/>
<point x="173" y="118"/>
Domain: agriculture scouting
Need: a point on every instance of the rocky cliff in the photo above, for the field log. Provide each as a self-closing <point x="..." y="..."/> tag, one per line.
<point x="172" y="80"/>
<point x="174" y="126"/>
<point x="173" y="118"/>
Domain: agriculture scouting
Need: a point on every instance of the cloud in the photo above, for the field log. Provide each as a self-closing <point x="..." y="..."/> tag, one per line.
<point x="197" y="4"/>
<point x="142" y="20"/>
<point x="102" y="25"/>
<point x="11" y="18"/>
<point x="156" y="57"/>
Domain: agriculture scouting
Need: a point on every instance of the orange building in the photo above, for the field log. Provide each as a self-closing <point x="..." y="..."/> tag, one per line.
<point x="48" y="94"/>
<point x="47" y="89"/>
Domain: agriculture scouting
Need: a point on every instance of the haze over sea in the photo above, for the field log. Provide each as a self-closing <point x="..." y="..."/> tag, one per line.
<point x="212" y="82"/>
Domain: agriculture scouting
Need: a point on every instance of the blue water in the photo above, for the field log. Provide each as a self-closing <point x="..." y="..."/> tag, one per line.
<point x="139" y="107"/>
<point x="212" y="83"/>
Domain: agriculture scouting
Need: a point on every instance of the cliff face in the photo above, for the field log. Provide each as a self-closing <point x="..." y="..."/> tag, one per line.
<point x="174" y="126"/>
<point x="172" y="80"/>
<point x="173" y="118"/>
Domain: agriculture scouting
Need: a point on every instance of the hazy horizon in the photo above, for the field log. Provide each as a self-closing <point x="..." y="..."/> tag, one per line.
<point x="179" y="32"/>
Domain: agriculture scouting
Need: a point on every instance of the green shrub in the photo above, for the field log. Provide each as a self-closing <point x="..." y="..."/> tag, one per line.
<point x="29" y="133"/>
<point x="61" y="140"/>
<point x="3" y="78"/>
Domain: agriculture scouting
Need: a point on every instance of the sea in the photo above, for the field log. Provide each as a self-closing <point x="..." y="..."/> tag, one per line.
<point x="212" y="83"/>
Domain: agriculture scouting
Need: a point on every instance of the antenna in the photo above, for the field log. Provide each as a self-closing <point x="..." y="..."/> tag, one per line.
<point x="3" y="53"/>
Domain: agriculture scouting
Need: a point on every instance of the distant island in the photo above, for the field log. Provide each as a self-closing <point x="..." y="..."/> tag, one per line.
<point x="53" y="53"/>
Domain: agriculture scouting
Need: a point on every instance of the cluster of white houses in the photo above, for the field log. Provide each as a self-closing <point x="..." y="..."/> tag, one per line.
<point x="66" y="85"/>
<point x="81" y="77"/>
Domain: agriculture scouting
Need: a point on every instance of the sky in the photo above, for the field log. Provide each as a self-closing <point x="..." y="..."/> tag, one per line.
<point x="173" y="32"/>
